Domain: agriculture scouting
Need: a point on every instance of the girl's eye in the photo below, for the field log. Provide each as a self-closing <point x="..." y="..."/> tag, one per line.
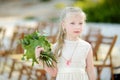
<point x="80" y="23"/>
<point x="72" y="23"/>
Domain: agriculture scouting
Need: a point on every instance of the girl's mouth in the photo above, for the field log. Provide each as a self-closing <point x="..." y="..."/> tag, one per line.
<point x="76" y="31"/>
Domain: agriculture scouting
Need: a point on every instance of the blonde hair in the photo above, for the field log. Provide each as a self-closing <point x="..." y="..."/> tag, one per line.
<point x="61" y="33"/>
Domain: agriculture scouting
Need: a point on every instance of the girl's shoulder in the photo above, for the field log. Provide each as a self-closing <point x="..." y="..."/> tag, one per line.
<point x="86" y="45"/>
<point x="83" y="42"/>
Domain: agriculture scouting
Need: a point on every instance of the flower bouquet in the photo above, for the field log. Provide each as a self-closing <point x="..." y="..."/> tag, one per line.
<point x="29" y="43"/>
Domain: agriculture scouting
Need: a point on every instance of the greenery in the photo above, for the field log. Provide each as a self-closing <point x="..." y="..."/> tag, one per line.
<point x="29" y="43"/>
<point x="29" y="18"/>
<point x="60" y="5"/>
<point x="45" y="0"/>
<point x="101" y="11"/>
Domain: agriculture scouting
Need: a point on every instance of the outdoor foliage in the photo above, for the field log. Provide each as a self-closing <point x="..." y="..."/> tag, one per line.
<point x="101" y="11"/>
<point x="45" y="0"/>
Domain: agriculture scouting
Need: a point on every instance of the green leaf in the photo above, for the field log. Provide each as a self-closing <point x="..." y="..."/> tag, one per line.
<point x="29" y="43"/>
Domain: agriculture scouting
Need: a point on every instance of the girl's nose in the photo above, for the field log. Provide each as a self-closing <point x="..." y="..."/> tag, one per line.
<point x="77" y="26"/>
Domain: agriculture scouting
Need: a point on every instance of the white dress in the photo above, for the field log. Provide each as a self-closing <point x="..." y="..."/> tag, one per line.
<point x="76" y="70"/>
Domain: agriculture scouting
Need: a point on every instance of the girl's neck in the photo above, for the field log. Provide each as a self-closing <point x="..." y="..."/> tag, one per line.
<point x="72" y="38"/>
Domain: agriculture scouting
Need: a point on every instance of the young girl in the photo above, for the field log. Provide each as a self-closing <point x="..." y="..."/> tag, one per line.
<point x="74" y="55"/>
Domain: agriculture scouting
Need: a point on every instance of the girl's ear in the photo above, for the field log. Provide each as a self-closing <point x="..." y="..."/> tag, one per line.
<point x="63" y="25"/>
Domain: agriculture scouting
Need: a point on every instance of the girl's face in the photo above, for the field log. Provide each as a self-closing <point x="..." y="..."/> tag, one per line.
<point x="73" y="24"/>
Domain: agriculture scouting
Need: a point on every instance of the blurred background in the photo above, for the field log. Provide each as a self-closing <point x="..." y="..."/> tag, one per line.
<point x="21" y="17"/>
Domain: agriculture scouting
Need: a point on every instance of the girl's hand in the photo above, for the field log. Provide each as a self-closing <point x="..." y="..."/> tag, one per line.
<point x="51" y="70"/>
<point x="38" y="50"/>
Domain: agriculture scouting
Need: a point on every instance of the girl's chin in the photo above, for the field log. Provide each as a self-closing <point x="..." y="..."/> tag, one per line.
<point x="76" y="35"/>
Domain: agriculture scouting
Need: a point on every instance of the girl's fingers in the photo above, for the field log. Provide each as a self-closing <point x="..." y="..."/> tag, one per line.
<point x="38" y="49"/>
<point x="42" y="49"/>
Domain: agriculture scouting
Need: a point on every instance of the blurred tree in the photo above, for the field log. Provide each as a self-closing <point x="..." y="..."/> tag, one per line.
<point x="101" y="10"/>
<point x="106" y="12"/>
<point x="60" y="5"/>
<point x="79" y="0"/>
<point x="45" y="0"/>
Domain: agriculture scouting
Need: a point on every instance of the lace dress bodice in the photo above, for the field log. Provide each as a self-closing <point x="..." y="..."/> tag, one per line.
<point x="76" y="70"/>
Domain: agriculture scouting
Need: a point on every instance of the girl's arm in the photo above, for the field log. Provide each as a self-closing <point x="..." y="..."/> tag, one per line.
<point x="90" y="65"/>
<point x="51" y="70"/>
